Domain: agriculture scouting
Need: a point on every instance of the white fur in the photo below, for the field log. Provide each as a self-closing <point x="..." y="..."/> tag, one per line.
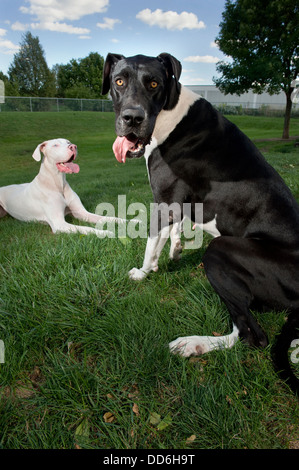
<point x="167" y="121"/>
<point x="196" y="345"/>
<point x="154" y="246"/>
<point x="210" y="227"/>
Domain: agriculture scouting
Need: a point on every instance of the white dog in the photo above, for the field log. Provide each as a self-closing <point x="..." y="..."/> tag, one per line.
<point x="48" y="198"/>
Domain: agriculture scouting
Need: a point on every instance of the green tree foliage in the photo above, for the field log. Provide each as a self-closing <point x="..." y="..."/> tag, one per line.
<point x="81" y="78"/>
<point x="262" y="38"/>
<point x="29" y="71"/>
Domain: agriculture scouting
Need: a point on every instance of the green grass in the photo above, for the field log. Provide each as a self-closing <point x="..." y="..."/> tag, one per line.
<point x="86" y="357"/>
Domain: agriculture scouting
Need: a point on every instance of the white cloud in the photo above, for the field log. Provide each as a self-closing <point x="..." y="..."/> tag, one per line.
<point x="6" y="46"/>
<point x="214" y="44"/>
<point x="59" y="27"/>
<point x="207" y="59"/>
<point x="59" y="10"/>
<point x="51" y="14"/>
<point x="17" y="26"/>
<point x="116" y="41"/>
<point x="170" y="20"/>
<point x="108" y="23"/>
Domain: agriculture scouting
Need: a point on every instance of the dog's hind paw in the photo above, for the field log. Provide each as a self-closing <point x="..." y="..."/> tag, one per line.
<point x="189" y="346"/>
<point x="137" y="274"/>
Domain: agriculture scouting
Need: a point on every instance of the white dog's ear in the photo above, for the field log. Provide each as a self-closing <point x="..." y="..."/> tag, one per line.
<point x="36" y="154"/>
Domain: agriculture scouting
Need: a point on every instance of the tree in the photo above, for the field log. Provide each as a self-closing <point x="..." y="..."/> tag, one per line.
<point x="81" y="78"/>
<point x="29" y="69"/>
<point x="261" y="37"/>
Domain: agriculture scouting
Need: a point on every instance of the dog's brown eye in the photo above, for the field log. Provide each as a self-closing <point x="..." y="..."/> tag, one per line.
<point x="119" y="82"/>
<point x="154" y="84"/>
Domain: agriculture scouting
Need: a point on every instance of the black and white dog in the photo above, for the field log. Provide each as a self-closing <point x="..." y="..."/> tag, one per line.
<point x="195" y="155"/>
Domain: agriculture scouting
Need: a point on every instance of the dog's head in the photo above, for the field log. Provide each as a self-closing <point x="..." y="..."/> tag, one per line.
<point x="140" y="87"/>
<point x="59" y="152"/>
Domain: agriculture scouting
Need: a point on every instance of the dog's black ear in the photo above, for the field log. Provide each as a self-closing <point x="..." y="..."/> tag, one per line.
<point x="174" y="68"/>
<point x="173" y="65"/>
<point x="111" y="59"/>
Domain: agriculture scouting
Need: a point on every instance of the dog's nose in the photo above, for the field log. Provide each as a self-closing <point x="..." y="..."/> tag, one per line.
<point x="73" y="147"/>
<point x="133" y="117"/>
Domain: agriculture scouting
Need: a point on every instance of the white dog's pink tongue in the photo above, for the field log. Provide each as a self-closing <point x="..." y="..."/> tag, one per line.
<point x="73" y="167"/>
<point x="121" y="146"/>
<point x="68" y="167"/>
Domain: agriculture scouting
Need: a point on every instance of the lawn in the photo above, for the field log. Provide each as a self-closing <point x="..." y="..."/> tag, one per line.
<point x="86" y="357"/>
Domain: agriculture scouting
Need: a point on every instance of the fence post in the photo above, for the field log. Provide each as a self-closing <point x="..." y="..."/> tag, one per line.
<point x="30" y="101"/>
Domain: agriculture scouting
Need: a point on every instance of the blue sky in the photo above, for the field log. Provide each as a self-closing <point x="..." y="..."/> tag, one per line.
<point x="71" y="29"/>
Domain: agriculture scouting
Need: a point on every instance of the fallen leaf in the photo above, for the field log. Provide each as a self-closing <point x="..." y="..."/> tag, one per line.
<point x="228" y="399"/>
<point x="190" y="439"/>
<point x="83" y="429"/>
<point x="135" y="409"/>
<point x="155" y="418"/>
<point x="109" y="417"/>
<point x="164" y="423"/>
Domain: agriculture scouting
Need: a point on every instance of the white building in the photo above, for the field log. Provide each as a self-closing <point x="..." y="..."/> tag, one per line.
<point x="247" y="100"/>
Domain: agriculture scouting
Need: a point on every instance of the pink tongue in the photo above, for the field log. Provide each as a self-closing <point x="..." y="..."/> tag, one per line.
<point x="68" y="168"/>
<point x="73" y="167"/>
<point x="120" y="148"/>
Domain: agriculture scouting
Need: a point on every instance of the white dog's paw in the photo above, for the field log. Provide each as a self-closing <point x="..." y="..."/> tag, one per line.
<point x="137" y="274"/>
<point x="189" y="346"/>
<point x="175" y="251"/>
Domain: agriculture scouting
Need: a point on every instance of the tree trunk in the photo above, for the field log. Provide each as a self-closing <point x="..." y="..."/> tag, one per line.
<point x="287" y="116"/>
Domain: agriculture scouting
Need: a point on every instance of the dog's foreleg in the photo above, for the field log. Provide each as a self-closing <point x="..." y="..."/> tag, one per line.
<point x="176" y="245"/>
<point x="154" y="246"/>
<point x="65" y="227"/>
<point x="196" y="345"/>
<point x="76" y="208"/>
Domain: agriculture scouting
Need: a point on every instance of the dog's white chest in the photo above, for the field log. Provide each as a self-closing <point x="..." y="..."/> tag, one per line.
<point x="210" y="227"/>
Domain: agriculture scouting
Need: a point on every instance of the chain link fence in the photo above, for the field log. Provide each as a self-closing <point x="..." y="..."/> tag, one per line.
<point x="32" y="104"/>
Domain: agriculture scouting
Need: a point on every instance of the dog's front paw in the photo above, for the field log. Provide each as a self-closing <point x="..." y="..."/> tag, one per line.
<point x="175" y="251"/>
<point x="137" y="274"/>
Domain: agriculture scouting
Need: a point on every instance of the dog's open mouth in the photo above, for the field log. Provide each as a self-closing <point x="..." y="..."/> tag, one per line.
<point x="68" y="166"/>
<point x="129" y="146"/>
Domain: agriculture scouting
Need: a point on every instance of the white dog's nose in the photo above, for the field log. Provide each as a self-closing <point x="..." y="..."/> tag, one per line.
<point x="73" y="147"/>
